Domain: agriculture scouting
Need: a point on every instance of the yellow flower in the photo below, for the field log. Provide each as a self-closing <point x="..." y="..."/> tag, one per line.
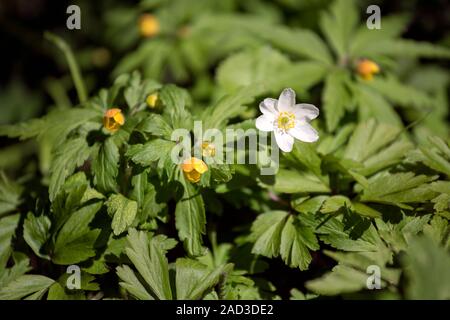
<point x="208" y="149"/>
<point x="152" y="100"/>
<point x="148" y="25"/>
<point x="367" y="68"/>
<point x="193" y="169"/>
<point x="113" y="119"/>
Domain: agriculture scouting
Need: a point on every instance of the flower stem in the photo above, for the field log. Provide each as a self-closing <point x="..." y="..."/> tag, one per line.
<point x="73" y="66"/>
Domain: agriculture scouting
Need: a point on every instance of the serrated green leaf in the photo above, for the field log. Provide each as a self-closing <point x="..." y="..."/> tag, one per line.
<point x="190" y="219"/>
<point x="154" y="150"/>
<point x="8" y="227"/>
<point x="229" y="106"/>
<point x="72" y="154"/>
<point x="122" y="210"/>
<point x="151" y="263"/>
<point x="398" y="188"/>
<point x="10" y="194"/>
<point x="289" y="181"/>
<point x="33" y="286"/>
<point x="276" y="234"/>
<point x="427" y="267"/>
<point x="36" y="232"/>
<point x="106" y="166"/>
<point x="335" y="98"/>
<point x="193" y="278"/>
<point x="75" y="241"/>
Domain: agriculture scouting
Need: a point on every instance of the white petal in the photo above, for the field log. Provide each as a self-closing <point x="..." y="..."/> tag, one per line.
<point x="264" y="123"/>
<point x="305" y="110"/>
<point x="286" y="101"/>
<point x="268" y="106"/>
<point x="304" y="132"/>
<point x="284" y="141"/>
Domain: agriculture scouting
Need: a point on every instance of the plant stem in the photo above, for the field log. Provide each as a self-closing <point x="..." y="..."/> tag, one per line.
<point x="73" y="66"/>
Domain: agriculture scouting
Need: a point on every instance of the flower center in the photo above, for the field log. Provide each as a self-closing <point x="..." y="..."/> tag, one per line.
<point x="286" y="120"/>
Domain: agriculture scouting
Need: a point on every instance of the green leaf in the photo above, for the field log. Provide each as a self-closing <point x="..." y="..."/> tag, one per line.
<point x="154" y="150"/>
<point x="10" y="194"/>
<point x="27" y="286"/>
<point x="36" y="232"/>
<point x="435" y="155"/>
<point x="58" y="292"/>
<point x="193" y="278"/>
<point x="175" y="100"/>
<point x="406" y="48"/>
<point x="296" y="239"/>
<point x="392" y="27"/>
<point x="350" y="274"/>
<point x="398" y="188"/>
<point x="401" y="94"/>
<point x="342" y="279"/>
<point x="53" y="127"/>
<point x="20" y="267"/>
<point x="399" y="235"/>
<point x="269" y="68"/>
<point x="306" y="154"/>
<point x="336" y="98"/>
<point x="338" y="25"/>
<point x="376" y="145"/>
<point x="75" y="241"/>
<point x="122" y="210"/>
<point x="427" y="268"/>
<point x="156" y="125"/>
<point x="8" y="227"/>
<point x="132" y="284"/>
<point x="276" y="233"/>
<point x="105" y="166"/>
<point x="72" y="154"/>
<point x="288" y="39"/>
<point x="372" y="105"/>
<point x="289" y="181"/>
<point x="190" y="219"/>
<point x="229" y="106"/>
<point x="149" y="259"/>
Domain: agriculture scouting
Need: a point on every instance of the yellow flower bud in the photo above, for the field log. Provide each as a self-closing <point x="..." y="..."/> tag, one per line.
<point x="367" y="68"/>
<point x="148" y="25"/>
<point x="193" y="169"/>
<point x="113" y="119"/>
<point x="208" y="149"/>
<point x="152" y="100"/>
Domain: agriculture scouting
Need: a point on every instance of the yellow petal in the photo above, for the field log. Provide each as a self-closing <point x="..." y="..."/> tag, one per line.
<point x="199" y="165"/>
<point x="187" y="165"/>
<point x="151" y="100"/>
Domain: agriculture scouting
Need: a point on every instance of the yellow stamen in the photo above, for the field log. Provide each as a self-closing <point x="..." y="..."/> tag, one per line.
<point x="208" y="149"/>
<point x="286" y="120"/>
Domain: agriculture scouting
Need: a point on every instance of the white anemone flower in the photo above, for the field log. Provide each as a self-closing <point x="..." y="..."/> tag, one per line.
<point x="287" y="120"/>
